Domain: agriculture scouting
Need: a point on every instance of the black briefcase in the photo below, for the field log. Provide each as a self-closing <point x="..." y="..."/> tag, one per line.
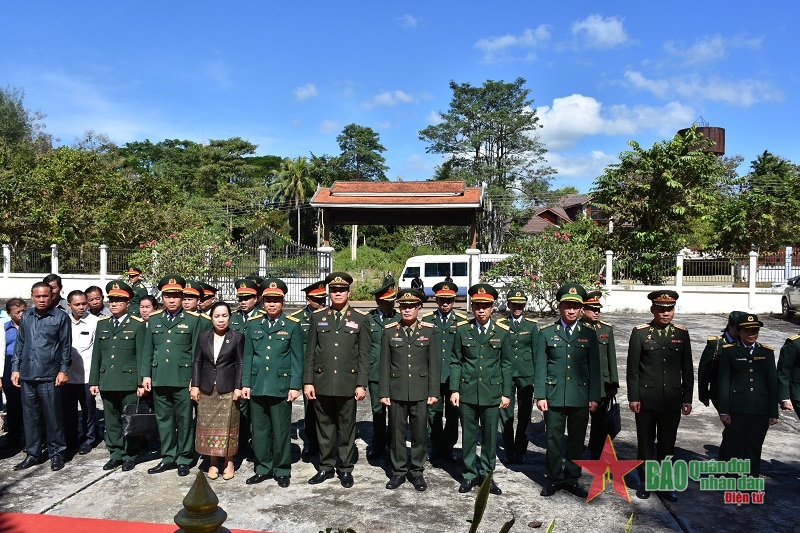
<point x="613" y="418"/>
<point x="138" y="419"/>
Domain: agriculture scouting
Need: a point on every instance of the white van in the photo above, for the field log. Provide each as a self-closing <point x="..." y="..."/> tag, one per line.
<point x="435" y="268"/>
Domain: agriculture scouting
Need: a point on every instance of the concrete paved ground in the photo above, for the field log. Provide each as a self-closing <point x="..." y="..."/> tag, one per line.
<point x="84" y="489"/>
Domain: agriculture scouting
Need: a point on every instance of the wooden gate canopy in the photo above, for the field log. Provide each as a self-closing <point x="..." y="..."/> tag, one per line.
<point x="410" y="203"/>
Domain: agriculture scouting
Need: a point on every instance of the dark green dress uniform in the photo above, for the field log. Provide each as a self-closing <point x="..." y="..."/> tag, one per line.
<point x="409" y="375"/>
<point x="168" y="354"/>
<point x="303" y="317"/>
<point x="480" y="372"/>
<point x="139" y="291"/>
<point x="660" y="375"/>
<point x="443" y="433"/>
<point x="610" y="376"/>
<point x="789" y="372"/>
<point x="116" y="363"/>
<point x="271" y="365"/>
<point x="523" y="333"/>
<point x="748" y="392"/>
<point x="336" y="362"/>
<point x="567" y="375"/>
<point x="380" y="430"/>
<point x="239" y="320"/>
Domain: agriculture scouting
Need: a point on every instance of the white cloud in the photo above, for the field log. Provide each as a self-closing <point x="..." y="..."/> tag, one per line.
<point x="741" y="93"/>
<point x="499" y="48"/>
<point x="390" y="99"/>
<point x="597" y="32"/>
<point x="709" y="49"/>
<point x="304" y="92"/>
<point x="329" y="126"/>
<point x="583" y="166"/>
<point x="576" y="116"/>
<point x="417" y="164"/>
<point x="435" y="118"/>
<point x="408" y="21"/>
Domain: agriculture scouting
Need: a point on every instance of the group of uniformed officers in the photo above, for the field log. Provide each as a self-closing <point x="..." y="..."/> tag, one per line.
<point x="426" y="372"/>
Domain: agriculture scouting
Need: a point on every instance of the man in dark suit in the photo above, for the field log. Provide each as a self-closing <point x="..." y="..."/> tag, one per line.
<point x="335" y="374"/>
<point x="608" y="370"/>
<point x="481" y="385"/>
<point x="748" y="392"/>
<point x="41" y="360"/>
<point x="523" y="332"/>
<point x="383" y="315"/>
<point x="443" y="415"/>
<point x="316" y="298"/>
<point x="409" y="383"/>
<point x="567" y="384"/>
<point x="167" y="370"/>
<point x="660" y="379"/>
<point x="271" y="379"/>
<point x="114" y="372"/>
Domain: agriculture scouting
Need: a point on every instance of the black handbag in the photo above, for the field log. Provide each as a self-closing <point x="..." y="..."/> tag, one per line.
<point x="613" y="418"/>
<point x="139" y="419"/>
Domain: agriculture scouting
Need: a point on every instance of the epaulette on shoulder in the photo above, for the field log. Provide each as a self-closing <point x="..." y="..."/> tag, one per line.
<point x="502" y="326"/>
<point x="203" y="315"/>
<point x="159" y="312"/>
<point x="293" y="318"/>
<point x="531" y="320"/>
<point x="767" y="347"/>
<point x="642" y="326"/>
<point x="678" y="326"/>
<point x="106" y="318"/>
<point x="550" y="325"/>
<point x="606" y="324"/>
<point x="136" y="318"/>
<point x="794" y="337"/>
<point x="731" y="345"/>
<point x="501" y="320"/>
<point x="390" y="326"/>
<point x="298" y="312"/>
<point x="361" y="312"/>
<point x="257" y="316"/>
<point x="461" y="315"/>
<point x="425" y="324"/>
<point x="429" y="313"/>
<point x="320" y="310"/>
<point x="462" y="323"/>
<point x="713" y="339"/>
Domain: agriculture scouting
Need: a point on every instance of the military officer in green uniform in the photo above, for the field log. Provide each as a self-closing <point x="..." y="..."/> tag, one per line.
<point x="316" y="298"/>
<point x="480" y="384"/>
<point x="523" y="332"/>
<point x="789" y="375"/>
<point x="336" y="374"/>
<point x="608" y="369"/>
<point x="660" y="379"/>
<point x="139" y="289"/>
<point x="255" y="278"/>
<point x="191" y="295"/>
<point x="409" y="383"/>
<point x="167" y="370"/>
<point x="443" y="415"/>
<point x="383" y="315"/>
<point x="247" y="294"/>
<point x="748" y="392"/>
<point x="208" y="297"/>
<point x="114" y="372"/>
<point x="708" y="375"/>
<point x="567" y="385"/>
<point x="272" y="377"/>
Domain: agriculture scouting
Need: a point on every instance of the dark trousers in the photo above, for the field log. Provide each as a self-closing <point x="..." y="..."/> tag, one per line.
<point x="515" y="443"/>
<point x="747" y="434"/>
<point x="597" y="431"/>
<point x="271" y="418"/>
<point x="245" y="432"/>
<point x="652" y="426"/>
<point x="310" y="426"/>
<point x="336" y="432"/>
<point x="559" y="459"/>
<point x="444" y="434"/>
<point x="45" y="398"/>
<point x="175" y="426"/>
<point x="380" y="430"/>
<point x="724" y="450"/>
<point x="473" y="418"/>
<point x="14" y="430"/>
<point x="119" y="447"/>
<point x="402" y="416"/>
<point x="79" y="429"/>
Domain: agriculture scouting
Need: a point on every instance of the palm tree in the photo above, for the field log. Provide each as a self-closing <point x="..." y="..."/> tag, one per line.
<point x="292" y="182"/>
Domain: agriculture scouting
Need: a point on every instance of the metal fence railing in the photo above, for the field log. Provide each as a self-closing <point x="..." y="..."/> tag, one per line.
<point x="721" y="271"/>
<point x="33" y="260"/>
<point x="85" y="260"/>
<point x="648" y="268"/>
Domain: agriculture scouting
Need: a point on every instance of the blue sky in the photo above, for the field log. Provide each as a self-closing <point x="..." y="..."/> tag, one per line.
<point x="289" y="76"/>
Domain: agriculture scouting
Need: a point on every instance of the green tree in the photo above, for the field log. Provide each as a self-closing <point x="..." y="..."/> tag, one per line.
<point x="655" y="196"/>
<point x="292" y="184"/>
<point x="361" y="158"/>
<point x="489" y="137"/>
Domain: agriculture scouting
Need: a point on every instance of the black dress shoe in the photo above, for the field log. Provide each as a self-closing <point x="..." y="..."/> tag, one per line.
<point x="347" y="479"/>
<point x="183" y="470"/>
<point x="161" y="467"/>
<point x="319" y="477"/>
<point x="641" y="493"/>
<point x="127" y="466"/>
<point x="283" y="481"/>
<point x="669" y="495"/>
<point x="576" y="490"/>
<point x="549" y="489"/>
<point x="28" y="462"/>
<point x="258" y="478"/>
<point x="56" y="463"/>
<point x="494" y="489"/>
<point x="419" y="483"/>
<point x="84" y="448"/>
<point x="467" y="485"/>
<point x="112" y="464"/>
<point x="395" y="482"/>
